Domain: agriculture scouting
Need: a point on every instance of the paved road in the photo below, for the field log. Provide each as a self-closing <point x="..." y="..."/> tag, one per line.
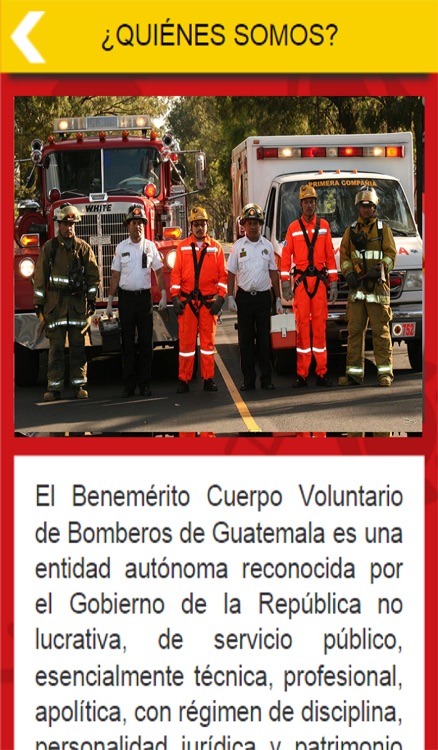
<point x="336" y="410"/>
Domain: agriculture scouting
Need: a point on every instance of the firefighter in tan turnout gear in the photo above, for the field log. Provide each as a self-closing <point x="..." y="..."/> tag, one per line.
<point x="65" y="288"/>
<point x="367" y="256"/>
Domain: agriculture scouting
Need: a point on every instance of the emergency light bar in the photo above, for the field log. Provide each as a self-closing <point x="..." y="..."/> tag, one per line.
<point x="312" y="152"/>
<point x="107" y="122"/>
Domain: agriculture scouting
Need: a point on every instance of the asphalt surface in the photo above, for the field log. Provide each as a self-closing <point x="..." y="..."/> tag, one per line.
<point x="368" y="409"/>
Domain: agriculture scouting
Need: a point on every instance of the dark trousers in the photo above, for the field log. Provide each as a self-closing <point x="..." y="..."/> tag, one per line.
<point x="56" y="363"/>
<point x="135" y="311"/>
<point x="253" y="323"/>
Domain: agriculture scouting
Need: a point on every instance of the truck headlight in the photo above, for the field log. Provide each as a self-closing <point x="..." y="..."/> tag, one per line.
<point x="170" y="258"/>
<point x="26" y="267"/>
<point x="413" y="281"/>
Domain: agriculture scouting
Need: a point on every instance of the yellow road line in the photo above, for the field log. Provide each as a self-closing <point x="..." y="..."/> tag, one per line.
<point x="241" y="407"/>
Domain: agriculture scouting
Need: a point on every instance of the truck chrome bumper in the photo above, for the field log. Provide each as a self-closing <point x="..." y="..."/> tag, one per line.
<point x="337" y="326"/>
<point x="28" y="331"/>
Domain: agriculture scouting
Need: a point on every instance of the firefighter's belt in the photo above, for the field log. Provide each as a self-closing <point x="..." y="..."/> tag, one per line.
<point x="321" y="275"/>
<point x="195" y="299"/>
<point x="195" y="296"/>
<point x="67" y="292"/>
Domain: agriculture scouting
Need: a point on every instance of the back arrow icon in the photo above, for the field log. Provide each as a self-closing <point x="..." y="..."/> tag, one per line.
<point x="19" y="37"/>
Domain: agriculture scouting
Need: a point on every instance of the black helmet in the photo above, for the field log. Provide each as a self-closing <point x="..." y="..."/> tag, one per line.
<point x="135" y="212"/>
<point x="251" y="211"/>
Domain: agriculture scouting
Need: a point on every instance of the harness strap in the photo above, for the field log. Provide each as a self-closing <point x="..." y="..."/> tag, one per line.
<point x="369" y="284"/>
<point x="196" y="296"/>
<point x="310" y="244"/>
<point x="198" y="264"/>
<point x="379" y="230"/>
<point x="310" y="270"/>
<point x="53" y="249"/>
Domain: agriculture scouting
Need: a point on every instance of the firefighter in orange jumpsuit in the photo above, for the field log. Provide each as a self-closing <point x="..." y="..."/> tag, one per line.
<point x="309" y="250"/>
<point x="198" y="285"/>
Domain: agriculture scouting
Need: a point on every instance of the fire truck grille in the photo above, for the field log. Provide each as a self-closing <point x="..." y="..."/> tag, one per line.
<point x="103" y="232"/>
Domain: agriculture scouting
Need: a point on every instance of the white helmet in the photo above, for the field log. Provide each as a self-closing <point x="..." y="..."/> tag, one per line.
<point x="67" y="213"/>
<point x="366" y="195"/>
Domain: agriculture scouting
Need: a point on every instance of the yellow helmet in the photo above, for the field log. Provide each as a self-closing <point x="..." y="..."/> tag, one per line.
<point x="251" y="211"/>
<point x="67" y="213"/>
<point x="307" y="191"/>
<point x="198" y="214"/>
<point x="135" y="212"/>
<point x="366" y="195"/>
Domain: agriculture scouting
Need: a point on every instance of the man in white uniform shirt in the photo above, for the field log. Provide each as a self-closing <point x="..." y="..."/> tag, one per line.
<point x="252" y="264"/>
<point x="131" y="280"/>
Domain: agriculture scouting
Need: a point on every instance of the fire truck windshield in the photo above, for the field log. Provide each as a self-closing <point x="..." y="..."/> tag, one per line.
<point x="108" y="170"/>
<point x="336" y="205"/>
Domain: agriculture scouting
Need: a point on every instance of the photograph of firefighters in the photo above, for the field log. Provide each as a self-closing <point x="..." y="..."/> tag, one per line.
<point x="252" y="264"/>
<point x="65" y="288"/>
<point x="131" y="281"/>
<point x="183" y="205"/>
<point x="309" y="248"/>
<point x="367" y="256"/>
<point x="198" y="285"/>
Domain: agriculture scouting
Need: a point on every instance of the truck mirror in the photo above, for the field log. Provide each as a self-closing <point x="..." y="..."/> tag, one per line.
<point x="29" y="178"/>
<point x="201" y="171"/>
<point x="178" y="173"/>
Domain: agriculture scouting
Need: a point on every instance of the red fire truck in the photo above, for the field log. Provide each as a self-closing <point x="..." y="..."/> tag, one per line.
<point x="101" y="165"/>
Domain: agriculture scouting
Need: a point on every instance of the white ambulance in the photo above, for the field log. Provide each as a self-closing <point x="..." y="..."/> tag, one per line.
<point x="269" y="170"/>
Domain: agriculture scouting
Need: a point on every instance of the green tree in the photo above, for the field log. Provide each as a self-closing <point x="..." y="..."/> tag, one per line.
<point x="218" y="124"/>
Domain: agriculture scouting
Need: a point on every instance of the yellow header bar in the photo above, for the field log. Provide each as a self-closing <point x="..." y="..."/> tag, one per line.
<point x="378" y="36"/>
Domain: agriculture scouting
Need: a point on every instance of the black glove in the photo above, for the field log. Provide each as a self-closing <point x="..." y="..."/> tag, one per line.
<point x="39" y="310"/>
<point x="351" y="281"/>
<point x="216" y="306"/>
<point x="177" y="306"/>
<point x="90" y="307"/>
<point x="374" y="272"/>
